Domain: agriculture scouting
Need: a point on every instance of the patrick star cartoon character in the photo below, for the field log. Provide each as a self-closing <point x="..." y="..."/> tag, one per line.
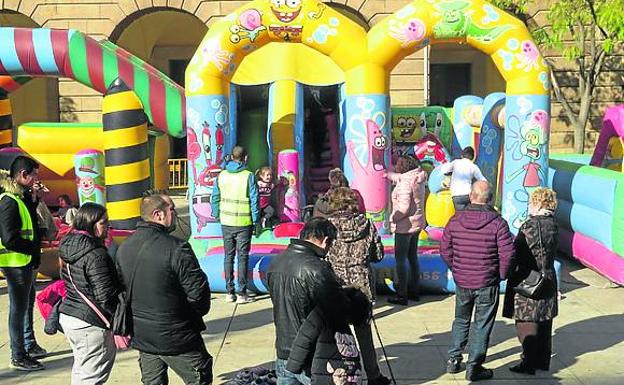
<point x="369" y="178"/>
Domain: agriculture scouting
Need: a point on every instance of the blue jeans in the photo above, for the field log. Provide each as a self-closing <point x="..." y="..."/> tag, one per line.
<point x="21" y="288"/>
<point x="284" y="377"/>
<point x="236" y="241"/>
<point x="461" y="201"/>
<point x="485" y="304"/>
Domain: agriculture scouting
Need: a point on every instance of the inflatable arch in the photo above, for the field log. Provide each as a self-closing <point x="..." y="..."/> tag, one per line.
<point x="367" y="60"/>
<point x="131" y="87"/>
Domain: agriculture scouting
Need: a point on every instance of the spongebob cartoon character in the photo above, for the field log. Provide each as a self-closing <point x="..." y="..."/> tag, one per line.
<point x="285" y="12"/>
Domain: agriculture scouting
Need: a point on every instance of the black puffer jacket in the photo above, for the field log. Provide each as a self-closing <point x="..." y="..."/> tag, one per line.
<point x="170" y="294"/>
<point x="11" y="223"/>
<point x="325" y="352"/>
<point x="299" y="280"/>
<point x="334" y="351"/>
<point x="93" y="273"/>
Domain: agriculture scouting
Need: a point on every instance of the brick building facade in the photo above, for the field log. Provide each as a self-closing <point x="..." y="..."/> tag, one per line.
<point x="166" y="32"/>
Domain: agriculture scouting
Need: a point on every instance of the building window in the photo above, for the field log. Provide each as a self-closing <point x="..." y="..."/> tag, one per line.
<point x="448" y="82"/>
<point x="177" y="67"/>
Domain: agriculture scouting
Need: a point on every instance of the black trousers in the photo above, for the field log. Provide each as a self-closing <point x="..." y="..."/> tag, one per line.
<point x="536" y="340"/>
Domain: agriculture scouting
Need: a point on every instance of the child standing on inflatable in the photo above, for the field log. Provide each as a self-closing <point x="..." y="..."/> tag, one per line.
<point x="463" y="173"/>
<point x="268" y="217"/>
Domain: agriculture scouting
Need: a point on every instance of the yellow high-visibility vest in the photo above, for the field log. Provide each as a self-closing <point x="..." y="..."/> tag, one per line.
<point x="10" y="258"/>
<point x="234" y="208"/>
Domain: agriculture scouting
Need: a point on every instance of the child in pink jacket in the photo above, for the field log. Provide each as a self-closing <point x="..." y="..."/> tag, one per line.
<point x="406" y="221"/>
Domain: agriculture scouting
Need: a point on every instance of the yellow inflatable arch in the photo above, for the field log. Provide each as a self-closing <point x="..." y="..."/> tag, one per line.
<point x="367" y="60"/>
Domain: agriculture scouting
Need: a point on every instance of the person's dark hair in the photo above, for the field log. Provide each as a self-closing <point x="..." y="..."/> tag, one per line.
<point x="337" y="178"/>
<point x="87" y="216"/>
<point x="406" y="163"/>
<point x="342" y="199"/>
<point x="239" y="153"/>
<point x="65" y="199"/>
<point x="23" y="163"/>
<point x="359" y="306"/>
<point x="318" y="228"/>
<point x="151" y="203"/>
<point x="468" y="153"/>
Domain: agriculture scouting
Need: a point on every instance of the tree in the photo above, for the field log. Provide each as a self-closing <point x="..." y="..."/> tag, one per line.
<point x="586" y="32"/>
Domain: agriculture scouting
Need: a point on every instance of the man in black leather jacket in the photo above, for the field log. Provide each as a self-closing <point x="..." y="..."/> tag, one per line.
<point x="299" y="279"/>
<point x="169" y="298"/>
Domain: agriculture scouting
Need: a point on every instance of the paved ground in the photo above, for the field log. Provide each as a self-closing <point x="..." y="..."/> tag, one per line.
<point x="588" y="340"/>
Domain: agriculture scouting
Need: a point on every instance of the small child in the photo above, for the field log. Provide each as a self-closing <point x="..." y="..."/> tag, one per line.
<point x="65" y="204"/>
<point x="328" y="353"/>
<point x="264" y="177"/>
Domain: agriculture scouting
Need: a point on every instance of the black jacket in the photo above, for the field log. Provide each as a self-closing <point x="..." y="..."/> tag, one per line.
<point x="534" y="253"/>
<point x="11" y="223"/>
<point x="93" y="273"/>
<point x="328" y="348"/>
<point x="170" y="294"/>
<point x="299" y="280"/>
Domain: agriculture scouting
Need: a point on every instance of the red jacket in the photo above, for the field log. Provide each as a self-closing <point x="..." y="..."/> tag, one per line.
<point x="478" y="247"/>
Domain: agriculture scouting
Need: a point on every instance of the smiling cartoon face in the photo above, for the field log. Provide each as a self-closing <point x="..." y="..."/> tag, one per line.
<point x="286" y="10"/>
<point x="377" y="144"/>
<point x="406" y="127"/>
<point x="86" y="185"/>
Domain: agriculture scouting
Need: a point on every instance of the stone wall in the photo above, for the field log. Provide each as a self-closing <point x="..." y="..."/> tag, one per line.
<point x="109" y="18"/>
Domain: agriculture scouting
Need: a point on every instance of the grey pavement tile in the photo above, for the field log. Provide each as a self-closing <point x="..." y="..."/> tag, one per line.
<point x="588" y="340"/>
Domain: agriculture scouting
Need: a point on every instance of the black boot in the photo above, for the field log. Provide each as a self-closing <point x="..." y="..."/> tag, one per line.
<point x="398" y="300"/>
<point x="522" y="367"/>
<point x="478" y="373"/>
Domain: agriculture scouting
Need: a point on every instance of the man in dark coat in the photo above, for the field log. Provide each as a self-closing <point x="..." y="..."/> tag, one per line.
<point x="478" y="248"/>
<point x="169" y="298"/>
<point x="299" y="279"/>
<point x="20" y="255"/>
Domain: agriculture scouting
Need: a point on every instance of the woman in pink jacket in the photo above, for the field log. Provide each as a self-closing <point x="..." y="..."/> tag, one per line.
<point x="406" y="221"/>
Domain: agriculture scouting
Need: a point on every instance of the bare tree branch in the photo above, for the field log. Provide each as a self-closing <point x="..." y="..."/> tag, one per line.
<point x="592" y="10"/>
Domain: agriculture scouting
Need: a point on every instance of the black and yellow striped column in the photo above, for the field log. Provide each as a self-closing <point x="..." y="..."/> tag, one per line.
<point x="6" y="121"/>
<point x="127" y="160"/>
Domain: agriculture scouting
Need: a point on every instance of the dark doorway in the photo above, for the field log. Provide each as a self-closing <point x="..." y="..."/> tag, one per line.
<point x="251" y="123"/>
<point x="448" y="82"/>
<point x="321" y="137"/>
<point x="176" y="73"/>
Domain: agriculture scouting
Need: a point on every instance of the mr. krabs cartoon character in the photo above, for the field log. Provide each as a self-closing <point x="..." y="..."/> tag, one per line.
<point x="369" y="178"/>
<point x="204" y="180"/>
<point x="219" y="142"/>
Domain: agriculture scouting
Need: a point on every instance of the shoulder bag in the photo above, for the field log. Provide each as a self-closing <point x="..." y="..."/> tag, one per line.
<point x="536" y="283"/>
<point x="121" y="342"/>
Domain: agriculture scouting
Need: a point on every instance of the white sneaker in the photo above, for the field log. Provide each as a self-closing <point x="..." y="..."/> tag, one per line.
<point x="244" y="298"/>
<point x="230" y="298"/>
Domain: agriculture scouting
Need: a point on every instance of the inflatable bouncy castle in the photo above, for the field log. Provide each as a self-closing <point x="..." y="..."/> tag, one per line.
<point x="360" y="64"/>
<point x="135" y="94"/>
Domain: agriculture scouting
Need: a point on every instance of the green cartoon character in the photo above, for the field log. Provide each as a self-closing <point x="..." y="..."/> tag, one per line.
<point x="457" y="22"/>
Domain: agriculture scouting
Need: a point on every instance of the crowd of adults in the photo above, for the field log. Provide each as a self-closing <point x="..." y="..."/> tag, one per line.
<point x="322" y="286"/>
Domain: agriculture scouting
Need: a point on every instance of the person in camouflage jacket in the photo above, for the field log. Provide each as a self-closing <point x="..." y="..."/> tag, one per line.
<point x="357" y="245"/>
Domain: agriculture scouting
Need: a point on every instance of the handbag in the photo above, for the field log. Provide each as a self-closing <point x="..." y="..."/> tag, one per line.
<point x="121" y="342"/>
<point x="536" y="283"/>
<point x="122" y="320"/>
